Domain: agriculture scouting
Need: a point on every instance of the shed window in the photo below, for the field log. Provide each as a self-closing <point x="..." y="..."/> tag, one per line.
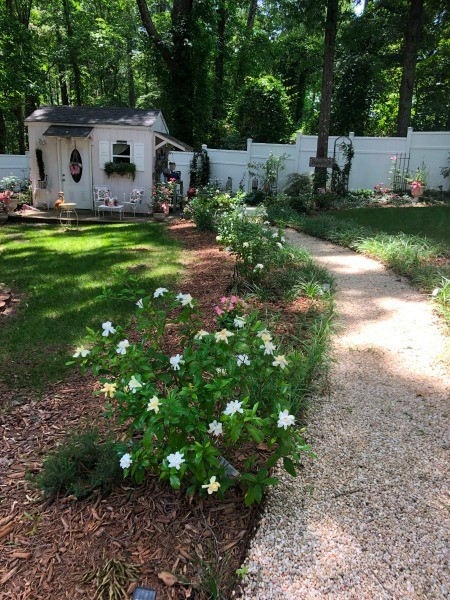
<point x="121" y="152"/>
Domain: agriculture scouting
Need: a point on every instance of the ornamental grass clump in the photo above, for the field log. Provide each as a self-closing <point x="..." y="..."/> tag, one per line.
<point x="214" y="396"/>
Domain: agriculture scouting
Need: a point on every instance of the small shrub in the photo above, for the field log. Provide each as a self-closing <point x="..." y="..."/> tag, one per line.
<point x="79" y="465"/>
<point x="254" y="198"/>
<point x="303" y="203"/>
<point x="298" y="184"/>
<point x="208" y="205"/>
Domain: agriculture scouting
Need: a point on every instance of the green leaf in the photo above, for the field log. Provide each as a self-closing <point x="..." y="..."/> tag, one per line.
<point x="289" y="466"/>
<point x="249" y="496"/>
<point x="175" y="481"/>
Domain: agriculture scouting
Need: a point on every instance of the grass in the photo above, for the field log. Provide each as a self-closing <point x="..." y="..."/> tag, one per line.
<point x="58" y="275"/>
<point x="420" y="258"/>
<point x="430" y="221"/>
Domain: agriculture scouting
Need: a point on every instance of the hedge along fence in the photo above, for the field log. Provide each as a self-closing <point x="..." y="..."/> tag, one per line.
<point x="370" y="166"/>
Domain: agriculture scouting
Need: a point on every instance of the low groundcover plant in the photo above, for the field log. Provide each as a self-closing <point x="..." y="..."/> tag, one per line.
<point x="221" y="394"/>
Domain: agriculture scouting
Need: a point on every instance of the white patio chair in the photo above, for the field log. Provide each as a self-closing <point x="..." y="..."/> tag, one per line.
<point x="101" y="195"/>
<point x="135" y="199"/>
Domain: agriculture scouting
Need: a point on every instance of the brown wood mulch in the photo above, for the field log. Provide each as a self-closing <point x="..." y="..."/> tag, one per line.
<point x="48" y="545"/>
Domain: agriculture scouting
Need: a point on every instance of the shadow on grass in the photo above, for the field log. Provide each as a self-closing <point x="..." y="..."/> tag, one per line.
<point x="58" y="276"/>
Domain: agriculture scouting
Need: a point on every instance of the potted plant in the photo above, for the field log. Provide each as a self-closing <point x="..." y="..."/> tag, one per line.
<point x="161" y="197"/>
<point x="120" y="168"/>
<point x="42" y="181"/>
<point x="418" y="181"/>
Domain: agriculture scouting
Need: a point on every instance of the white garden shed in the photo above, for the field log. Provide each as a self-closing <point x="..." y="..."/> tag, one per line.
<point x="75" y="142"/>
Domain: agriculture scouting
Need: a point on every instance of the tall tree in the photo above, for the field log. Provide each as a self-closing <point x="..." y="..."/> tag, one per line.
<point x="412" y="34"/>
<point x="327" y="89"/>
<point x="178" y="60"/>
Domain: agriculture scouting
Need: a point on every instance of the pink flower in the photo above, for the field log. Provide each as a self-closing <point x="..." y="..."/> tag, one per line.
<point x="394" y="157"/>
<point x="218" y="311"/>
<point x="416" y="185"/>
<point x="234" y="299"/>
<point x="223" y="299"/>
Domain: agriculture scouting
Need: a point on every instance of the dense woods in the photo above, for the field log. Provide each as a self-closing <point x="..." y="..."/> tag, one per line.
<point x="223" y="70"/>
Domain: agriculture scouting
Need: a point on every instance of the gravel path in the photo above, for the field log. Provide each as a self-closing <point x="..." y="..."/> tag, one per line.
<point x="369" y="518"/>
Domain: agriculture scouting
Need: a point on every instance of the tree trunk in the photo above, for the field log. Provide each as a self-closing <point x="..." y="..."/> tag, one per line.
<point x="62" y="74"/>
<point x="130" y="75"/>
<point x="20" y="129"/>
<point x="320" y="173"/>
<point x="252" y="14"/>
<point x="412" y="34"/>
<point x="179" y="62"/>
<point x="2" y="133"/>
<point x="217" y="112"/>
<point x="73" y="54"/>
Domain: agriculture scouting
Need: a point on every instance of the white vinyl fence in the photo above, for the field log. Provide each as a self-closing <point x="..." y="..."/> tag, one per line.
<point x="371" y="162"/>
<point x="15" y="164"/>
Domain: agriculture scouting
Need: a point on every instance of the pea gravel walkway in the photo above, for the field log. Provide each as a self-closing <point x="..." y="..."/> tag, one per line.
<point x="370" y="517"/>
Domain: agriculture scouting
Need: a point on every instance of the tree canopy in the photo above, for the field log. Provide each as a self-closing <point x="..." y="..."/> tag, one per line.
<point x="223" y="70"/>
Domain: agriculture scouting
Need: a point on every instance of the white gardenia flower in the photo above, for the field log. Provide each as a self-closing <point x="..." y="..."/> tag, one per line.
<point x="140" y="303"/>
<point x="233" y="407"/>
<point x="242" y="359"/>
<point x="176" y="361"/>
<point x="285" y="420"/>
<point x="245" y="245"/>
<point x="186" y="300"/>
<point x="239" y="322"/>
<point x="122" y="347"/>
<point x="283" y="239"/>
<point x="215" y="428"/>
<point x="266" y="223"/>
<point x="81" y="351"/>
<point x="218" y="238"/>
<point x="264" y="335"/>
<point x="134" y="384"/>
<point x="126" y="461"/>
<point x="222" y="336"/>
<point x="435" y="292"/>
<point x="201" y="334"/>
<point x="274" y="235"/>
<point x="154" y="404"/>
<point x="107" y="328"/>
<point x="258" y="266"/>
<point x="212" y="486"/>
<point x="268" y="347"/>
<point x="280" y="245"/>
<point x="280" y="361"/>
<point x="160" y="292"/>
<point x="176" y="460"/>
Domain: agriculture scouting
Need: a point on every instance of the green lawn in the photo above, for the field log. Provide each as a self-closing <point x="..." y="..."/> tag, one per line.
<point x="58" y="275"/>
<point x="431" y="221"/>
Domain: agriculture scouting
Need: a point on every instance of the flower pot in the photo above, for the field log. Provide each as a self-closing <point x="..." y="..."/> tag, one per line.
<point x="160" y="216"/>
<point x="416" y="192"/>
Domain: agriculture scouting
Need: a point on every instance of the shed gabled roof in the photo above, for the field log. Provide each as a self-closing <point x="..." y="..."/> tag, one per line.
<point x="94" y="115"/>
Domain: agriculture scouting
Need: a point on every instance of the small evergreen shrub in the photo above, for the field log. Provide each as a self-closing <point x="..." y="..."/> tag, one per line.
<point x="79" y="465"/>
<point x="298" y="184"/>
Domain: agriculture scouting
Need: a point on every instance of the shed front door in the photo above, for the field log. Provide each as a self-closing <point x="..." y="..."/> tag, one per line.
<point x="75" y="171"/>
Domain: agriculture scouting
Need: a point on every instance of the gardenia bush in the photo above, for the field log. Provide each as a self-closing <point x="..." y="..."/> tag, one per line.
<point x="222" y="393"/>
<point x="208" y="205"/>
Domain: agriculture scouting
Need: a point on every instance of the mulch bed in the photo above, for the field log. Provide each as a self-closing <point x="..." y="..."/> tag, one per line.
<point x="48" y="545"/>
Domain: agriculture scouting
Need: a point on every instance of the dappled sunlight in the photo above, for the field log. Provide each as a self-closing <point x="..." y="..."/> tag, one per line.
<point x="61" y="274"/>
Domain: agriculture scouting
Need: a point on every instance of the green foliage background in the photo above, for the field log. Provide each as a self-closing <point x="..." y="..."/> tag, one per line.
<point x="213" y="59"/>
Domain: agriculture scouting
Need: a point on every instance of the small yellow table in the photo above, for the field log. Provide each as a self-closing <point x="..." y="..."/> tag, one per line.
<point x="67" y="213"/>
